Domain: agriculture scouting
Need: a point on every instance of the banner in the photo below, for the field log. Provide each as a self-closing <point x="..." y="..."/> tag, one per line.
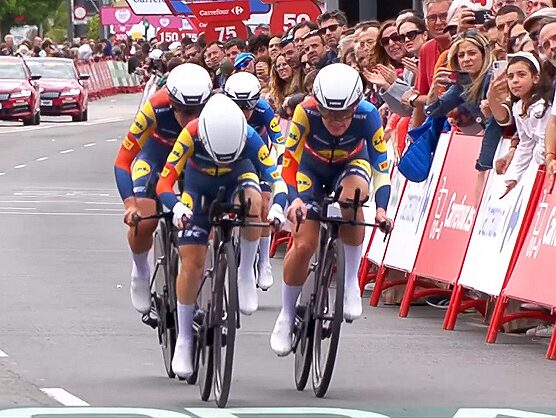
<point x="532" y="278"/>
<point x="153" y="7"/>
<point x="182" y="7"/>
<point x="413" y="214"/>
<point x="120" y="16"/>
<point x="495" y="233"/>
<point x="453" y="213"/>
<point x="286" y="14"/>
<point x="221" y="11"/>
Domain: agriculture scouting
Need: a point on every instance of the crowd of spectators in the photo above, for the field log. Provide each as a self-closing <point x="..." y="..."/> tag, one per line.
<point x="438" y="62"/>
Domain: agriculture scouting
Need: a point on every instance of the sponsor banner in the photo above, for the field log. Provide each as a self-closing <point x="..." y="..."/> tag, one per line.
<point x="413" y="214"/>
<point x="221" y="11"/>
<point x="174" y="35"/>
<point x="287" y="14"/>
<point x="532" y="278"/>
<point x="495" y="233"/>
<point x="181" y="7"/>
<point x="152" y="7"/>
<point x="453" y="212"/>
<point x="397" y="181"/>
<point x="119" y="16"/>
<point x="222" y="31"/>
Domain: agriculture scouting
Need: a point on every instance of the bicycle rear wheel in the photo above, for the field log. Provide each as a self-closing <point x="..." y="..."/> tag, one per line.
<point x="204" y="350"/>
<point x="225" y="321"/>
<point x="166" y="324"/>
<point x="328" y="315"/>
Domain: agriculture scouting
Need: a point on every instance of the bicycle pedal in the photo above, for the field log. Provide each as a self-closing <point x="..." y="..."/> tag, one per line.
<point x="147" y="319"/>
<point x="224" y="340"/>
<point x="349" y="321"/>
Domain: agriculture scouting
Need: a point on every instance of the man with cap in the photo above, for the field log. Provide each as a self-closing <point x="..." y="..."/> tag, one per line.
<point x="534" y="23"/>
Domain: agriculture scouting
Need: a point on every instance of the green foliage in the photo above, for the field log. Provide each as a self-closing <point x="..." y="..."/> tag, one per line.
<point x="35" y="11"/>
<point x="93" y="27"/>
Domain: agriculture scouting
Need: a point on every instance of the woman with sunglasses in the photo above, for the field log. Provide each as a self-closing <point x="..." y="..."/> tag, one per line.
<point x="468" y="78"/>
<point x="284" y="81"/>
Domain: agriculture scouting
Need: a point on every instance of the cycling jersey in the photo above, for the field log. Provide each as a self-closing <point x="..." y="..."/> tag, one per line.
<point x="146" y="147"/>
<point x="315" y="161"/>
<point x="203" y="177"/>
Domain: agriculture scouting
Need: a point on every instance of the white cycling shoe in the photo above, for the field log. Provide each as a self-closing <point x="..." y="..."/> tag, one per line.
<point x="265" y="277"/>
<point x="353" y="307"/>
<point x="182" y="362"/>
<point x="248" y="298"/>
<point x="281" y="338"/>
<point x="140" y="289"/>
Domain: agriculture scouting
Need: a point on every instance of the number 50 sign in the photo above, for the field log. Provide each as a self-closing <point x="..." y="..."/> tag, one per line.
<point x="287" y="13"/>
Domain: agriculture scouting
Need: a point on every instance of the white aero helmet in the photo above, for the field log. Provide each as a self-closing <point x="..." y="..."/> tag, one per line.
<point x="243" y="88"/>
<point x="189" y="86"/>
<point x="337" y="87"/>
<point x="222" y="129"/>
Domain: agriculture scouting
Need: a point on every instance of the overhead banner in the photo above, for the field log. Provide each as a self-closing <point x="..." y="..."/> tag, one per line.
<point x="182" y="7"/>
<point x="495" y="233"/>
<point x="453" y="213"/>
<point x="152" y="7"/>
<point x="413" y="214"/>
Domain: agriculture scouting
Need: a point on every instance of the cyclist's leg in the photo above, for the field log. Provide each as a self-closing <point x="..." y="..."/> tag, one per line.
<point x="265" y="270"/>
<point x="249" y="240"/>
<point x="355" y="176"/>
<point x="144" y="174"/>
<point x="296" y="263"/>
<point x="193" y="252"/>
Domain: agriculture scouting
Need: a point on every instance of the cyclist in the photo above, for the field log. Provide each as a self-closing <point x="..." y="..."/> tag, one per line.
<point x="245" y="90"/>
<point x="142" y="156"/>
<point x="335" y="138"/>
<point x="220" y="150"/>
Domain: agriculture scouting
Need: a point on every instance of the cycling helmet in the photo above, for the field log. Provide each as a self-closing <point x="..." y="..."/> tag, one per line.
<point x="222" y="129"/>
<point x="338" y="87"/>
<point x="242" y="60"/>
<point x="244" y="89"/>
<point x="189" y="86"/>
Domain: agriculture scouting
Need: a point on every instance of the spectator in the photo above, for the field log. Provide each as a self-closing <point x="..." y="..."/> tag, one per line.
<point x="331" y="26"/>
<point x="290" y="52"/>
<point x="285" y="81"/>
<point x="491" y="33"/>
<point x="233" y="48"/>
<point x="262" y="71"/>
<point x="405" y="13"/>
<point x="389" y="49"/>
<point x="504" y="18"/>
<point x="349" y="58"/>
<point x="4" y="50"/>
<point x="533" y="90"/>
<point x="258" y="45"/>
<point x="10" y="45"/>
<point x="534" y="5"/>
<point x="313" y="43"/>
<point x="518" y="39"/>
<point x="498" y="4"/>
<point x="308" y="82"/>
<point x="37" y="42"/>
<point x="534" y="23"/>
<point x="347" y="41"/>
<point x="192" y="53"/>
<point x="23" y="51"/>
<point x="366" y="34"/>
<point x="245" y="62"/>
<point x="262" y="29"/>
<point x="175" y="49"/>
<point x="305" y="67"/>
<point x="469" y="56"/>
<point x="213" y="55"/>
<point x="300" y="30"/>
<point x="274" y="47"/>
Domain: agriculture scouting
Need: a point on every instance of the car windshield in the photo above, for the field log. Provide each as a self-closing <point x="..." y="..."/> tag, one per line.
<point x="52" y="69"/>
<point x="12" y="70"/>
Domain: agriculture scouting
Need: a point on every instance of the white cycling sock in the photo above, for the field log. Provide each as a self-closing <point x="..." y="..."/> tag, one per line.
<point x="352" y="259"/>
<point x="140" y="265"/>
<point x="289" y="299"/>
<point x="264" y="251"/>
<point x="185" y="322"/>
<point x="248" y="254"/>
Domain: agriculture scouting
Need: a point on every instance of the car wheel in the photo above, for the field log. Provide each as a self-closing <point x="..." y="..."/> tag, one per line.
<point x="37" y="119"/>
<point x="85" y="115"/>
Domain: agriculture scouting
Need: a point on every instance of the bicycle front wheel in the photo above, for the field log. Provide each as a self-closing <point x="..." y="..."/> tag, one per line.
<point x="328" y="315"/>
<point x="225" y="321"/>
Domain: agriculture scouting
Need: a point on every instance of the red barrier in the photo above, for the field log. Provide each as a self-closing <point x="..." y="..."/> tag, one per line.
<point x="450" y="222"/>
<point x="529" y="277"/>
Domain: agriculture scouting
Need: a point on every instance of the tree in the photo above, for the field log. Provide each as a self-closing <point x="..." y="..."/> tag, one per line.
<point x="30" y="12"/>
<point x="58" y="23"/>
<point x="93" y="27"/>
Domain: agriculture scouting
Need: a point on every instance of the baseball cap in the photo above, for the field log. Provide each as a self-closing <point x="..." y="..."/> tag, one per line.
<point x="544" y="13"/>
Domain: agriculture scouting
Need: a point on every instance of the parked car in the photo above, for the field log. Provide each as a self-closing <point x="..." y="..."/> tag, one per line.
<point x="19" y="92"/>
<point x="63" y="91"/>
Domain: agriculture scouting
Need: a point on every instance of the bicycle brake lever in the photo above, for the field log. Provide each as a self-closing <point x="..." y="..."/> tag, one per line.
<point x="299" y="218"/>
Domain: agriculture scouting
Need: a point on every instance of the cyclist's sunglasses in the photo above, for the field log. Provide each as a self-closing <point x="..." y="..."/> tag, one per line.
<point x="247" y="104"/>
<point x="338" y="115"/>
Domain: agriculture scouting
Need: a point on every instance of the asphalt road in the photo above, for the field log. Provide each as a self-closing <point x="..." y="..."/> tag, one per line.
<point x="67" y="321"/>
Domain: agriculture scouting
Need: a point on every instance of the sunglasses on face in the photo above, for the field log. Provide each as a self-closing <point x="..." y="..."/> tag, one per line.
<point x="385" y="41"/>
<point x="247" y="104"/>
<point x="410" y="36"/>
<point x="337" y="115"/>
<point x="331" y="28"/>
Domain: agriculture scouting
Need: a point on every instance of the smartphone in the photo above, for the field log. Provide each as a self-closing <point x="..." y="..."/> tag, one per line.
<point x="481" y="16"/>
<point x="463" y="78"/>
<point x="498" y="67"/>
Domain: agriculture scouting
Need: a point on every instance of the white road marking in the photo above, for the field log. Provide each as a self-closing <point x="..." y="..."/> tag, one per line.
<point x="112" y="140"/>
<point x="2" y="354"/>
<point x="90" y="144"/>
<point x="103" y="203"/>
<point x="21" y="129"/>
<point x="20" y="166"/>
<point x="66" y="151"/>
<point x="103" y="209"/>
<point x="16" y="208"/>
<point x="41" y="159"/>
<point x="2" y="174"/>
<point x="64" y="397"/>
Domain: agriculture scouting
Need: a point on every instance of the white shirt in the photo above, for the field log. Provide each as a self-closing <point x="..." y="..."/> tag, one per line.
<point x="531" y="130"/>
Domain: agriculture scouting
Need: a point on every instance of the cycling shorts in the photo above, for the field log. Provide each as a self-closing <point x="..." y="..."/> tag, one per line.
<point x="147" y="167"/>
